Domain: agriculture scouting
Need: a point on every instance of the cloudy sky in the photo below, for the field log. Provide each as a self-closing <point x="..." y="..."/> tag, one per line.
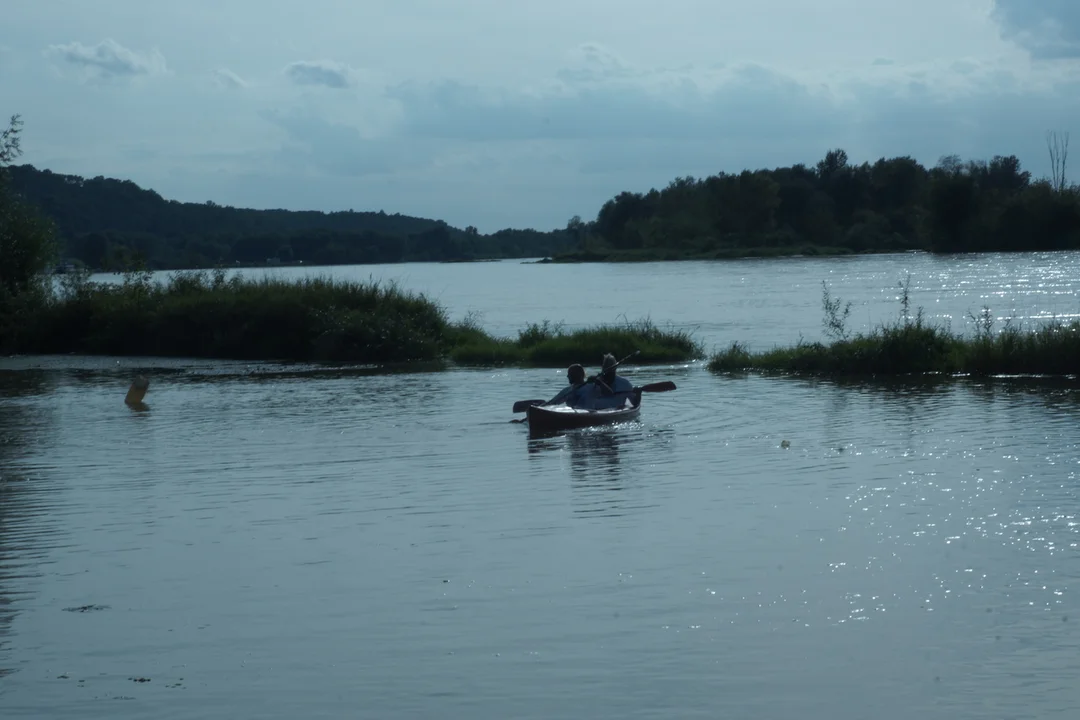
<point x="505" y="113"/>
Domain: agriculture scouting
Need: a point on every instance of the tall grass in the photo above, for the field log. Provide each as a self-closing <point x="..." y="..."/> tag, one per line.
<point x="547" y="344"/>
<point x="204" y="315"/>
<point x="911" y="345"/>
<point x="201" y="314"/>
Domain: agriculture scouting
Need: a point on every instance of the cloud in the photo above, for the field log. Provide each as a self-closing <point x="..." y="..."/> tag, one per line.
<point x="606" y="118"/>
<point x="1048" y="29"/>
<point x="738" y="102"/>
<point x="320" y="72"/>
<point x="317" y="144"/>
<point x="604" y="100"/>
<point x="228" y="79"/>
<point x="534" y="147"/>
<point x="592" y="62"/>
<point x="108" y="59"/>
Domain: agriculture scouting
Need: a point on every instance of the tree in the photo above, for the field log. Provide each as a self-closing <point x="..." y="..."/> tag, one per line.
<point x="615" y="221"/>
<point x="26" y="238"/>
<point x="950" y="164"/>
<point x="1058" y="146"/>
<point x="834" y="161"/>
<point x="9" y="141"/>
<point x="1004" y="174"/>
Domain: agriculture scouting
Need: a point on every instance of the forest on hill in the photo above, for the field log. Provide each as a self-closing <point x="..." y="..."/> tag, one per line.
<point x="107" y="223"/>
<point x="891" y="205"/>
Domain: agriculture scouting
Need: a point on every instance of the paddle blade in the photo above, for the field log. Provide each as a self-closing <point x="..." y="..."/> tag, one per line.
<point x="523" y="405"/>
<point x="658" y="387"/>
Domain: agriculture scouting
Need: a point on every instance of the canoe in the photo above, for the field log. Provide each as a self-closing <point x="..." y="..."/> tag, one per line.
<point x="552" y="418"/>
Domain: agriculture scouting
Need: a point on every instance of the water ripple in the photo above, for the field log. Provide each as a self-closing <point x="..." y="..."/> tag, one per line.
<point x="293" y="542"/>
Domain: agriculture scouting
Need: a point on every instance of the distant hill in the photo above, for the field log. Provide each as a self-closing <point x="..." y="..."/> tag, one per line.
<point x="107" y="223"/>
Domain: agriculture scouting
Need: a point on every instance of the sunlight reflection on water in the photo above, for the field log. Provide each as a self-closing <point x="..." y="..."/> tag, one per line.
<point x="312" y="544"/>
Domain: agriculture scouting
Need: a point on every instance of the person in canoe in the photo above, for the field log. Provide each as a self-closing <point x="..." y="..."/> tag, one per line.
<point x="577" y="393"/>
<point x="612" y="390"/>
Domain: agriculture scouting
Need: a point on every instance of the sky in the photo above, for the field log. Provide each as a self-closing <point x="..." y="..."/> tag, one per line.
<point x="502" y="113"/>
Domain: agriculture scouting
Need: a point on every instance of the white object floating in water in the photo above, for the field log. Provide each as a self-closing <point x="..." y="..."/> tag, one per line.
<point x="785" y="444"/>
<point x="137" y="391"/>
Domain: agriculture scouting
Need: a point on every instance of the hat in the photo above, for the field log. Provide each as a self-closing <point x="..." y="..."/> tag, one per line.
<point x="609" y="361"/>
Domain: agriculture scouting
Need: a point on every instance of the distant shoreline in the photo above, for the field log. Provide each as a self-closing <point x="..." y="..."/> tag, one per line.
<point x="615" y="257"/>
<point x="734" y="253"/>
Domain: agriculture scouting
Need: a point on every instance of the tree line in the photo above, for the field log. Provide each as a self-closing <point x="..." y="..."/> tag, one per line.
<point x="893" y="204"/>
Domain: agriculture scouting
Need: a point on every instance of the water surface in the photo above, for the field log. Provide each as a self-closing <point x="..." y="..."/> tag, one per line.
<point x="336" y="544"/>
<point x="760" y="302"/>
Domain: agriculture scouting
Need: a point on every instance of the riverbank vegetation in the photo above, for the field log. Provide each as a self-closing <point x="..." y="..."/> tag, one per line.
<point x="198" y="314"/>
<point x="551" y="345"/>
<point x="913" y="345"/>
<point x="208" y="315"/>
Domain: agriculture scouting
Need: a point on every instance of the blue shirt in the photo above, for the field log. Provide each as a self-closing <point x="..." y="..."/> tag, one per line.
<point x="622" y="387"/>
<point x="580" y="396"/>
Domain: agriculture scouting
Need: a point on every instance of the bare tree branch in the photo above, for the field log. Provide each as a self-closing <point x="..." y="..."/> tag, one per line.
<point x="1058" y="146"/>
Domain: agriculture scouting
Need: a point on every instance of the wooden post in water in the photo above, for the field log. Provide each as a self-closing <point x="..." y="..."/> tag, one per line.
<point x="137" y="392"/>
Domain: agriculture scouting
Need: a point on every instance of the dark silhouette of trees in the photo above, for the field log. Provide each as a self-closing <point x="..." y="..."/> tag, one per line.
<point x="893" y="204"/>
<point x="106" y="223"/>
<point x="26" y="247"/>
<point x="26" y="244"/>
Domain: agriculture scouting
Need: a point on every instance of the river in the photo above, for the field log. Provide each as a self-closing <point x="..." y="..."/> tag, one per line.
<point x="283" y="542"/>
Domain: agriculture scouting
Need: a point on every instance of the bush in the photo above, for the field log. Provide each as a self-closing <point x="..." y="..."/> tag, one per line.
<point x="911" y="346"/>
<point x="199" y="316"/>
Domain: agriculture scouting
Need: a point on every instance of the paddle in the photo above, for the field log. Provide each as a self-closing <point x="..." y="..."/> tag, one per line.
<point x="663" y="386"/>
<point x="523" y="405"/>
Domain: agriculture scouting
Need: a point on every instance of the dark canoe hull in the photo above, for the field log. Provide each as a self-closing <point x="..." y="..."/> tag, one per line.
<point x="561" y="417"/>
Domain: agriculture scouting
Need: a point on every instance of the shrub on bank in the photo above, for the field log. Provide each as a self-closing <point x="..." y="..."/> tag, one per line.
<point x="547" y="345"/>
<point x="913" y="346"/>
<point x="200" y="314"/>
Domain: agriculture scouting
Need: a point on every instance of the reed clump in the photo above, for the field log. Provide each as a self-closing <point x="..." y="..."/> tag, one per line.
<point x="912" y="345"/>
<point x="210" y="315"/>
<point x="547" y="344"/>
<point x="200" y="314"/>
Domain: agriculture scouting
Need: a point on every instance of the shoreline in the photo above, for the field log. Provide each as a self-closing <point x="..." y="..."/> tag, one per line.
<point x="611" y="258"/>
